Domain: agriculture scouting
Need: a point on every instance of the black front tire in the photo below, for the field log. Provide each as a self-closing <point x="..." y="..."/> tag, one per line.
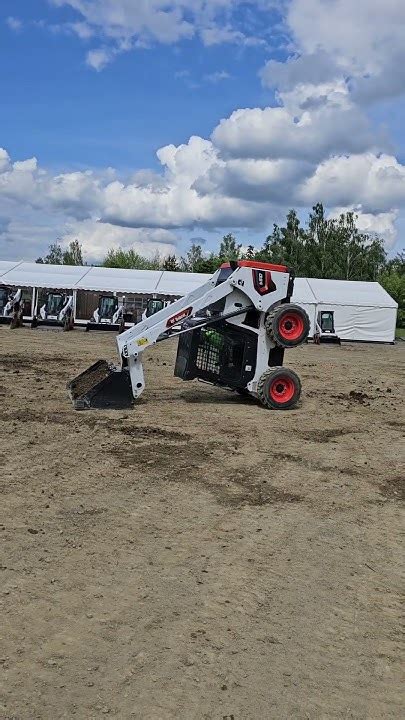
<point x="279" y="388"/>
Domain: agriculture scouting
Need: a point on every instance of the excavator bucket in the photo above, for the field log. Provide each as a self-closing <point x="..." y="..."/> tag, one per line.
<point x="101" y="386"/>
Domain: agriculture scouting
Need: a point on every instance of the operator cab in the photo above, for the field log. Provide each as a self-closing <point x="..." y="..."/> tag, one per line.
<point x="4" y="295"/>
<point x="107" y="307"/>
<point x="326" y="321"/>
<point x="54" y="304"/>
<point x="154" y="305"/>
<point x="326" y="327"/>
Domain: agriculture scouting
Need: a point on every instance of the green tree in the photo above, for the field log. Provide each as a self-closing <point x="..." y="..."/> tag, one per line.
<point x="250" y="253"/>
<point x="73" y="255"/>
<point x="170" y="263"/>
<point x="119" y="258"/>
<point x="393" y="280"/>
<point x="193" y="259"/>
<point x="210" y="264"/>
<point x="325" y="248"/>
<point x="55" y="255"/>
<point x="229" y="248"/>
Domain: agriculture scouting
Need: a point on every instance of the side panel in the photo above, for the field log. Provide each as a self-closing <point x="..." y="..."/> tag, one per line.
<point x="367" y="324"/>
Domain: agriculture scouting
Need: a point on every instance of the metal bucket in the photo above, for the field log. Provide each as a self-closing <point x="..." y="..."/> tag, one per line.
<point x="101" y="386"/>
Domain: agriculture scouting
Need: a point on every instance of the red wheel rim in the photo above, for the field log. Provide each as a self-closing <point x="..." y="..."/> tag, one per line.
<point x="282" y="389"/>
<point x="291" y="326"/>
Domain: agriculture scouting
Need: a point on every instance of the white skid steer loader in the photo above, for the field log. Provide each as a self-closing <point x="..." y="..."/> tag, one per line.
<point x="109" y="314"/>
<point x="233" y="333"/>
<point x="56" y="310"/>
<point x="13" y="310"/>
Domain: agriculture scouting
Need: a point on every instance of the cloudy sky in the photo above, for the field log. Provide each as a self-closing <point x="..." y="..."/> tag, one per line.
<point x="143" y="123"/>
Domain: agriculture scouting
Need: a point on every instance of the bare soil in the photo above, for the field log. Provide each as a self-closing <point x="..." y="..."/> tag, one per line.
<point x="200" y="557"/>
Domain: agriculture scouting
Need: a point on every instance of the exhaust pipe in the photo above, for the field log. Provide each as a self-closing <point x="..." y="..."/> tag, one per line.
<point x="102" y="386"/>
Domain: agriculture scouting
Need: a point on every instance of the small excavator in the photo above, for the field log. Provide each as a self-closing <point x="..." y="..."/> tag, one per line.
<point x="232" y="332"/>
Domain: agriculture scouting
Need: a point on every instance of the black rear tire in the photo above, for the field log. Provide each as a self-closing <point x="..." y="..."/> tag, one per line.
<point x="288" y="325"/>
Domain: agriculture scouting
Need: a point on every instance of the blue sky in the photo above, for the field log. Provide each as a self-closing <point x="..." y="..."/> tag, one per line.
<point x="65" y="113"/>
<point x="285" y="103"/>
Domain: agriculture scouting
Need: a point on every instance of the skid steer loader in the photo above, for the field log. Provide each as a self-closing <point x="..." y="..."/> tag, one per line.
<point x="109" y="315"/>
<point x="57" y="310"/>
<point x="233" y="333"/>
<point x="13" y="310"/>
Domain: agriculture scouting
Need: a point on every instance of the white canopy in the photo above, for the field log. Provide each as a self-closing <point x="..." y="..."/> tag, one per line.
<point x="303" y="294"/>
<point x="362" y="310"/>
<point x="6" y="265"/>
<point x="102" y="279"/>
<point x="350" y="292"/>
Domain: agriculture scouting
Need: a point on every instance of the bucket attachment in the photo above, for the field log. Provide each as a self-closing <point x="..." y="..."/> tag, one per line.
<point x="101" y="386"/>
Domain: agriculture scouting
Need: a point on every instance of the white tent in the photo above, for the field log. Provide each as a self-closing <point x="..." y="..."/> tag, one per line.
<point x="83" y="277"/>
<point x="7" y="265"/>
<point x="362" y="311"/>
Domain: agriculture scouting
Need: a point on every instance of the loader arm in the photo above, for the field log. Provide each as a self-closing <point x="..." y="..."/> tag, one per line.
<point x="133" y="342"/>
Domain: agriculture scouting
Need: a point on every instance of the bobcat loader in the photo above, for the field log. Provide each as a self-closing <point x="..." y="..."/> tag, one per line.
<point x="233" y="333"/>
<point x="109" y="315"/>
<point x="56" y="310"/>
<point x="13" y="310"/>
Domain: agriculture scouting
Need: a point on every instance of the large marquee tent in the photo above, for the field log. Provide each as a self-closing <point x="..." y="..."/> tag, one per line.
<point x="84" y="277"/>
<point x="363" y="311"/>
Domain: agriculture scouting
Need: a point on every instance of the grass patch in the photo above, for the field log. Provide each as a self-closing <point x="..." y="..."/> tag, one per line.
<point x="400" y="332"/>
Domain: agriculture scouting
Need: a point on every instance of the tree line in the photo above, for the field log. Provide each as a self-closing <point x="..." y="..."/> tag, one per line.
<point x="323" y="247"/>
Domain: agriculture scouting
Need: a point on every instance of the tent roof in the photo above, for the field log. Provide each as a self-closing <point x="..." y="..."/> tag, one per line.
<point x="350" y="292"/>
<point x="180" y="283"/>
<point x="302" y="292"/>
<point x="6" y="265"/>
<point x="28" y="274"/>
<point x="102" y="279"/>
<point x="119" y="280"/>
<point x="150" y="282"/>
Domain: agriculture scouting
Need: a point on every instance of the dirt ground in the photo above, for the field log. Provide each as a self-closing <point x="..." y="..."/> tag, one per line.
<point x="199" y="557"/>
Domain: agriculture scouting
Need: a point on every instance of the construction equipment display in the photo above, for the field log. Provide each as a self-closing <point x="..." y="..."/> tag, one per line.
<point x="233" y="332"/>
<point x="325" y="328"/>
<point x="12" y="308"/>
<point x="109" y="315"/>
<point x="56" y="310"/>
<point x="154" y="305"/>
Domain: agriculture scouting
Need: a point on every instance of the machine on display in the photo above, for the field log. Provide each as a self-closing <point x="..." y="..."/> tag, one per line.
<point x="56" y="310"/>
<point x="109" y="315"/>
<point x="233" y="332"/>
<point x="325" y="328"/>
<point x="154" y="305"/>
<point x="12" y="307"/>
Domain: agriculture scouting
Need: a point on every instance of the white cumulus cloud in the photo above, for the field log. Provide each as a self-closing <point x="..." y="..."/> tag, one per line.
<point x="97" y="238"/>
